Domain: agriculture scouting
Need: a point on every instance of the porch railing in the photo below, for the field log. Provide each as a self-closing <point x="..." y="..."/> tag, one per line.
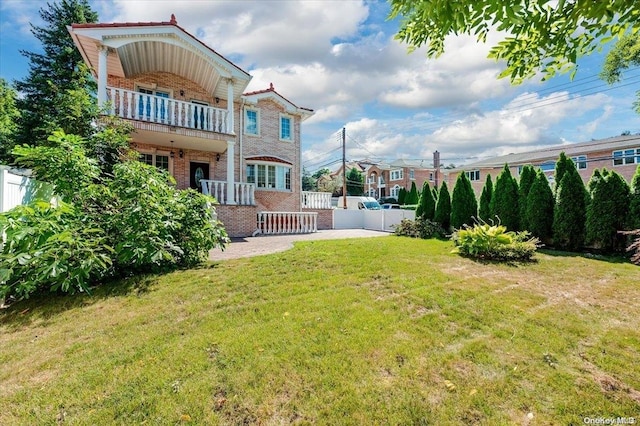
<point x="270" y="223"/>
<point x="172" y="112"/>
<point x="316" y="200"/>
<point x="244" y="192"/>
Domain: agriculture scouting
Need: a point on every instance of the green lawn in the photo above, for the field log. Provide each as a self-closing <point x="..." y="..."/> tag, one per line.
<point x="369" y="331"/>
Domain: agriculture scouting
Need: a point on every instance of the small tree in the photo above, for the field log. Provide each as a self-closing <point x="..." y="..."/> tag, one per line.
<point x="355" y="182"/>
<point x="539" y="206"/>
<point x="308" y="182"/>
<point x="607" y="211"/>
<point x="426" y="204"/>
<point x="443" y="207"/>
<point x="402" y="196"/>
<point x="9" y="115"/>
<point x="484" y="212"/>
<point x="562" y="165"/>
<point x="570" y="213"/>
<point x="527" y="176"/>
<point x="464" y="206"/>
<point x="633" y="218"/>
<point x="412" y="195"/>
<point x="504" y="202"/>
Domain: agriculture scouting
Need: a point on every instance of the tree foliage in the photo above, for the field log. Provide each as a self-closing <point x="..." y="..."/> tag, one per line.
<point x="402" y="196"/>
<point x="426" y="203"/>
<point x="562" y="165"/>
<point x="412" y="195"/>
<point x="9" y="115"/>
<point x="540" y="36"/>
<point x="484" y="211"/>
<point x="539" y="206"/>
<point x="527" y="176"/>
<point x="355" y="182"/>
<point x="464" y="206"/>
<point x="504" y="202"/>
<point x="624" y="55"/>
<point x="57" y="93"/>
<point x="443" y="207"/>
<point x="607" y="211"/>
<point x="569" y="215"/>
<point x="633" y="220"/>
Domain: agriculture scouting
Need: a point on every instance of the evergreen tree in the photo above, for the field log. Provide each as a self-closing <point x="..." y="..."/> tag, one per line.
<point x="443" y="207"/>
<point x="633" y="218"/>
<point x="412" y="195"/>
<point x="426" y="203"/>
<point x="504" y="202"/>
<point x="527" y="176"/>
<point x="562" y="165"/>
<point x="539" y="206"/>
<point x="484" y="211"/>
<point x="9" y="115"/>
<point x="402" y="196"/>
<point x="58" y="78"/>
<point x="434" y="192"/>
<point x="464" y="206"/>
<point x="607" y="211"/>
<point x="355" y="182"/>
<point x="308" y="182"/>
<point x="569" y="215"/>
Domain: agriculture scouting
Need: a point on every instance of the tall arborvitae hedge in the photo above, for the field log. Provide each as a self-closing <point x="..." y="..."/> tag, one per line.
<point x="402" y="196"/>
<point x="570" y="212"/>
<point x="504" y="202"/>
<point x="539" y="206"/>
<point x="426" y="203"/>
<point x="527" y="176"/>
<point x="562" y="165"/>
<point x="443" y="207"/>
<point x="464" y="207"/>
<point x="484" y="212"/>
<point x="633" y="218"/>
<point x="607" y="211"/>
<point x="412" y="195"/>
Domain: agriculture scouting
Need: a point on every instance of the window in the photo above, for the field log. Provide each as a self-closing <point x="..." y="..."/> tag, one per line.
<point x="397" y="174"/>
<point x="412" y="174"/>
<point x="581" y="161"/>
<point x="158" y="160"/>
<point x="395" y="191"/>
<point x="285" y="128"/>
<point x="251" y="122"/>
<point x="549" y="166"/>
<point x="431" y="176"/>
<point x="473" y="175"/>
<point x="267" y="176"/>
<point x="155" y="98"/>
<point x="628" y="156"/>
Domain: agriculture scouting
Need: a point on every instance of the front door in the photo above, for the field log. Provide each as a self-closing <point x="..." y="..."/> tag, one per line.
<point x="198" y="171"/>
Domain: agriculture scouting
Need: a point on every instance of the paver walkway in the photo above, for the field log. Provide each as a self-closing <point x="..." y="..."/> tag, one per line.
<point x="266" y="244"/>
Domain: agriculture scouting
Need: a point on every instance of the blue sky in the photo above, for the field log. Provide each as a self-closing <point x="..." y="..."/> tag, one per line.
<point x="340" y="59"/>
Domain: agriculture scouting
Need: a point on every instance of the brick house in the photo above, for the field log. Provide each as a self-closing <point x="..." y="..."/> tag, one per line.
<point x="620" y="154"/>
<point x="192" y="117"/>
<point x="386" y="179"/>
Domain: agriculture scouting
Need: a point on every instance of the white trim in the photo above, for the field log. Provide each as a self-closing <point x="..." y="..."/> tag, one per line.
<point x="399" y="172"/>
<point x="291" y="125"/>
<point x="156" y="152"/>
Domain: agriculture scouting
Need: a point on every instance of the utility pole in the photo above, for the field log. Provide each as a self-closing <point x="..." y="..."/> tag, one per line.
<point x="436" y="165"/>
<point x="344" y="169"/>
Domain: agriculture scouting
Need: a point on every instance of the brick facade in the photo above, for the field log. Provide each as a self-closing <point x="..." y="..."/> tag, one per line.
<point x="239" y="221"/>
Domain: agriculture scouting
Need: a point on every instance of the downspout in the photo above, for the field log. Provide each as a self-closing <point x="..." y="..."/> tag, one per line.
<point x="241" y="131"/>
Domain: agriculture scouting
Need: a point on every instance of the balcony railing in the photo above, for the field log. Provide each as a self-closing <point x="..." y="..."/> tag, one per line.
<point x="270" y="223"/>
<point x="244" y="192"/>
<point x="172" y="112"/>
<point x="316" y="200"/>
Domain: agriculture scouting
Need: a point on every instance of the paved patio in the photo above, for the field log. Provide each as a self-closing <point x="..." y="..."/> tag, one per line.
<point x="267" y="244"/>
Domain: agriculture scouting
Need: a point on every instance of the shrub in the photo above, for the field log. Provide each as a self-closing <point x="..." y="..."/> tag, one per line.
<point x="426" y="203"/>
<point x="527" y="177"/>
<point x="633" y="219"/>
<point x="504" y="202"/>
<point x="419" y="228"/>
<point x="50" y="248"/>
<point x="607" y="211"/>
<point x="494" y="242"/>
<point x="570" y="213"/>
<point x="484" y="211"/>
<point x="412" y="195"/>
<point x="539" y="208"/>
<point x="464" y="206"/>
<point x="443" y="207"/>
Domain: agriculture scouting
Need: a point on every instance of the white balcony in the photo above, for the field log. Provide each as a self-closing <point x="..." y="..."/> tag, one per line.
<point x="244" y="193"/>
<point x="270" y="223"/>
<point x="316" y="200"/>
<point x="171" y="112"/>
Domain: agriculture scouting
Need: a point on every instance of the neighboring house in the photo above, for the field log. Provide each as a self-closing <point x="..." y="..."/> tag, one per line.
<point x="621" y="154"/>
<point x="192" y="118"/>
<point x="386" y="180"/>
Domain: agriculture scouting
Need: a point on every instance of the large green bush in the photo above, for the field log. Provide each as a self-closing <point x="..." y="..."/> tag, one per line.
<point x="633" y="218"/>
<point x="494" y="242"/>
<point x="504" y="202"/>
<point x="569" y="215"/>
<point x="426" y="203"/>
<point x="484" y="210"/>
<point x="539" y="206"/>
<point x="443" y="207"/>
<point x="607" y="211"/>
<point x="419" y="228"/>
<point x="464" y="206"/>
<point x="527" y="176"/>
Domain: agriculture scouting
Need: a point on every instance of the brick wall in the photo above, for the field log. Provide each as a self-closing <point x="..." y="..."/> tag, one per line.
<point x="325" y="217"/>
<point x="239" y="221"/>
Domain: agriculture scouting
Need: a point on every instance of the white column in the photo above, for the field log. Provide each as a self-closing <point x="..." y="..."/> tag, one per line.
<point x="230" y="125"/>
<point x="102" y="75"/>
<point x="231" y="197"/>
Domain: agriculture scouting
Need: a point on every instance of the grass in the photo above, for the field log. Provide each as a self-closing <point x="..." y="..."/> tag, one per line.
<point x="371" y="331"/>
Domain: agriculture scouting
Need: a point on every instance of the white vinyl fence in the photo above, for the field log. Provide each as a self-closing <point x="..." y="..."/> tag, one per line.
<point x="17" y="188"/>
<point x="376" y="220"/>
